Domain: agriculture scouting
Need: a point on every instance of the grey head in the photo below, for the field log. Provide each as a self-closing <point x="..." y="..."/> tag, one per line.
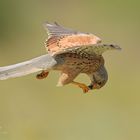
<point x="98" y="78"/>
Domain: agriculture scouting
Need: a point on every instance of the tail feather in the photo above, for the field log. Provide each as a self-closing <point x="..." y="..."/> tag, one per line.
<point x="43" y="62"/>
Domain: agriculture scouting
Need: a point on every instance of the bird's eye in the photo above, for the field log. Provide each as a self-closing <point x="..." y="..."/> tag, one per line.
<point x="99" y="83"/>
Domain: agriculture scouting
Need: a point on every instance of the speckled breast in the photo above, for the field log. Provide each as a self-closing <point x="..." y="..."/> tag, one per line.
<point x="83" y="62"/>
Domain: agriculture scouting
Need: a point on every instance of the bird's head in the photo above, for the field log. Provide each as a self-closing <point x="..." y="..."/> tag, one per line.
<point x="98" y="78"/>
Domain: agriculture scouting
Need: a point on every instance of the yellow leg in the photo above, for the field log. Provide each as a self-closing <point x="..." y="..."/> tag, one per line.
<point x="42" y="75"/>
<point x="81" y="85"/>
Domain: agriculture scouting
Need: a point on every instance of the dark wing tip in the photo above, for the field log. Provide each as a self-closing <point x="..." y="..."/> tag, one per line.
<point x="112" y="46"/>
<point x="48" y="24"/>
<point x="56" y="23"/>
<point x="55" y="29"/>
<point x="117" y="47"/>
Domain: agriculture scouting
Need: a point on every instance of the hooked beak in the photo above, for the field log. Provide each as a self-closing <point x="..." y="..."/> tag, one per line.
<point x="96" y="86"/>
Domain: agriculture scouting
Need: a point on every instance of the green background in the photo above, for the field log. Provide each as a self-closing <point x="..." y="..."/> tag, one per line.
<point x="33" y="109"/>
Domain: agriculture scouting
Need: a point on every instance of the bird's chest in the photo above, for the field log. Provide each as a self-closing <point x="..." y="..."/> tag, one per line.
<point x="84" y="63"/>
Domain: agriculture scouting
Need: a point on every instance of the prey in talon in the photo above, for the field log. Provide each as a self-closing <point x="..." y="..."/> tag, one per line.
<point x="69" y="51"/>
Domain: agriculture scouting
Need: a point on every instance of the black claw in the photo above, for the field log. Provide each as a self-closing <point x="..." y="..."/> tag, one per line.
<point x="90" y="87"/>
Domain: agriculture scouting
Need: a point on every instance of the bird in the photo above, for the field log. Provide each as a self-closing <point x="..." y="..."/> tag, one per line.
<point x="69" y="51"/>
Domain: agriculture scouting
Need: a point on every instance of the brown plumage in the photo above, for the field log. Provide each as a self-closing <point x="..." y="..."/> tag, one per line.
<point x="70" y="52"/>
<point x="81" y="53"/>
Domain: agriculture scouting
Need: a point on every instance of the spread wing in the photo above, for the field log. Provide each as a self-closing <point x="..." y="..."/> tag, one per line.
<point x="97" y="49"/>
<point x="62" y="39"/>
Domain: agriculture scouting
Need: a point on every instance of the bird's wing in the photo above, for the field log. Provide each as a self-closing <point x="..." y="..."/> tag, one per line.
<point x="96" y="49"/>
<point x="61" y="39"/>
<point x="44" y="62"/>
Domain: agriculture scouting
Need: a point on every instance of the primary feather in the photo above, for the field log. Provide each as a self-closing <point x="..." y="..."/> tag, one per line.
<point x="61" y="39"/>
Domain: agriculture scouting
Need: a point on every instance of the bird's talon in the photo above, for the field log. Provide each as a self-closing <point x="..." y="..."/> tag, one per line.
<point x="90" y="86"/>
<point x="84" y="88"/>
<point x="42" y="75"/>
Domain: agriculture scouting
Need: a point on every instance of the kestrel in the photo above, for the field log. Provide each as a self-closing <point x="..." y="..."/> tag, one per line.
<point x="70" y="52"/>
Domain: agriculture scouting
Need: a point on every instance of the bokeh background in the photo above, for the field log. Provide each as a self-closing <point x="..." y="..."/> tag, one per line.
<point x="31" y="109"/>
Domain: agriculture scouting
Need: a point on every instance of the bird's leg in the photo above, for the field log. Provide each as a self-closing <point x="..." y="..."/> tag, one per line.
<point x="81" y="85"/>
<point x="42" y="75"/>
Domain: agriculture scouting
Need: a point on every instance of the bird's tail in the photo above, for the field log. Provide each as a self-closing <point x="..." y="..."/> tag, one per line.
<point x="43" y="62"/>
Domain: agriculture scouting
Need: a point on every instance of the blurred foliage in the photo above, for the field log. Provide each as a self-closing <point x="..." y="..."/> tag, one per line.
<point x="37" y="110"/>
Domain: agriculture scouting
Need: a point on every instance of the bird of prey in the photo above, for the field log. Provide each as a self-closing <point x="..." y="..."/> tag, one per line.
<point x="70" y="52"/>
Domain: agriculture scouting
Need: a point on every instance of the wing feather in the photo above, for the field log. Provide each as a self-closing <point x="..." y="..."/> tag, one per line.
<point x="61" y="38"/>
<point x="54" y="29"/>
<point x="97" y="49"/>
